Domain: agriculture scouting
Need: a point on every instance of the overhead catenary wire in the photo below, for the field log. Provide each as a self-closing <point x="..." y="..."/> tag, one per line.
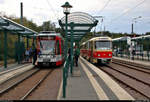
<point x="52" y="9"/>
<point x="48" y="9"/>
<point x="101" y="12"/>
<point x="116" y="18"/>
<point x="40" y="21"/>
<point x="105" y="6"/>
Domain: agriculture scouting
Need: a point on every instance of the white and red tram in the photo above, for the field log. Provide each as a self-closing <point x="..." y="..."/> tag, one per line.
<point x="50" y="48"/>
<point x="97" y="50"/>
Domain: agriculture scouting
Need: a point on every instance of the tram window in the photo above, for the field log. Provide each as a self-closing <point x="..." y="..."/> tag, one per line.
<point x="103" y="45"/>
<point x="88" y="45"/>
<point x="47" y="45"/>
<point x="91" y="44"/>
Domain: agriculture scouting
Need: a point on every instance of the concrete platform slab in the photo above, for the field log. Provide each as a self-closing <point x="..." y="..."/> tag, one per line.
<point x="84" y="84"/>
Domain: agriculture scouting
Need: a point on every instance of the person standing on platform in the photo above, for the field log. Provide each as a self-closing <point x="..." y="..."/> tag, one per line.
<point x="30" y="54"/>
<point x="34" y="56"/>
<point x="27" y="55"/>
<point x="69" y="54"/>
<point x="77" y="53"/>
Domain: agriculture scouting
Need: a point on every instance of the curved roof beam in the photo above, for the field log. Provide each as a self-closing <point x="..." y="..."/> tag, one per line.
<point x="82" y="22"/>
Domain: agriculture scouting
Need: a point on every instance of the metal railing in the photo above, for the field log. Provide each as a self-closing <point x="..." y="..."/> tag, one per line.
<point x="65" y="75"/>
<point x="145" y="55"/>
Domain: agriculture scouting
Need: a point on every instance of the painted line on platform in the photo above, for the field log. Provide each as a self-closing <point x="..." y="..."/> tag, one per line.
<point x="118" y="91"/>
<point x="99" y="91"/>
<point x="60" y="90"/>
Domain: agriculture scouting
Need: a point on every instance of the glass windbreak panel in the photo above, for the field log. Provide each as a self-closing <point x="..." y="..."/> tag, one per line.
<point x="47" y="46"/>
<point x="103" y="45"/>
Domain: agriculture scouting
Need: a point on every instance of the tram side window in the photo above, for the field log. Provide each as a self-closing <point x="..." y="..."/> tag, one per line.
<point x="91" y="43"/>
<point x="88" y="45"/>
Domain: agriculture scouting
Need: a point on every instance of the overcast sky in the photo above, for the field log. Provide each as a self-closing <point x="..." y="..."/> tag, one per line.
<point x="118" y="14"/>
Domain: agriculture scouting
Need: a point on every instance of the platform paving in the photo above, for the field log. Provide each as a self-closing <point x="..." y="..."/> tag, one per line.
<point x="79" y="87"/>
<point x="86" y="83"/>
<point x="12" y="66"/>
<point x="8" y="73"/>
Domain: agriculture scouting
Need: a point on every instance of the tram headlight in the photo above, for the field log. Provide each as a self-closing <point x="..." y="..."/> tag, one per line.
<point x="98" y="55"/>
<point x="48" y="56"/>
<point x="109" y="54"/>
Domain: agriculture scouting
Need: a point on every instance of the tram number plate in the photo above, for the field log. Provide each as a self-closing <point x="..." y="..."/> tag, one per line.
<point x="105" y="60"/>
<point x="46" y="60"/>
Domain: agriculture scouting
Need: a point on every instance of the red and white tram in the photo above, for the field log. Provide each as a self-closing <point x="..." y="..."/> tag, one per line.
<point x="50" y="48"/>
<point x="97" y="50"/>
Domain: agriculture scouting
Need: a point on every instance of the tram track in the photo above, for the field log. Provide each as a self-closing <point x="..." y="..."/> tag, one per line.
<point x="35" y="86"/>
<point x="136" y="74"/>
<point x="134" y="65"/>
<point x="24" y="87"/>
<point x="128" y="79"/>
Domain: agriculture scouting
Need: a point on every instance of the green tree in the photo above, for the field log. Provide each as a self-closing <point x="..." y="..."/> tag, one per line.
<point x="48" y="26"/>
<point x="147" y="33"/>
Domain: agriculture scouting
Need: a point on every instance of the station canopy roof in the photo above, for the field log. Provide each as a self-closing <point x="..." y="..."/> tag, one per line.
<point x="9" y="25"/>
<point x="82" y="22"/>
<point x="121" y="38"/>
<point x="141" y="37"/>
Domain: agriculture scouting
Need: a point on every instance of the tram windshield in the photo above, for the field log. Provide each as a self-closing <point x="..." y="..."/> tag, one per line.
<point x="47" y="46"/>
<point x="103" y="45"/>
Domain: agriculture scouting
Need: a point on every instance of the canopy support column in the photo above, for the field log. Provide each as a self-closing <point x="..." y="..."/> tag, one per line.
<point x="34" y="39"/>
<point x="66" y="49"/>
<point x="72" y="26"/>
<point x="27" y="41"/>
<point x="18" y="49"/>
<point x="5" y="48"/>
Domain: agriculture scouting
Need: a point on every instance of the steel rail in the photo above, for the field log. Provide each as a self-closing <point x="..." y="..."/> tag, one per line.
<point x="129" y="75"/>
<point x="130" y="86"/>
<point x="34" y="87"/>
<point x="132" y="67"/>
<point x="133" y="64"/>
